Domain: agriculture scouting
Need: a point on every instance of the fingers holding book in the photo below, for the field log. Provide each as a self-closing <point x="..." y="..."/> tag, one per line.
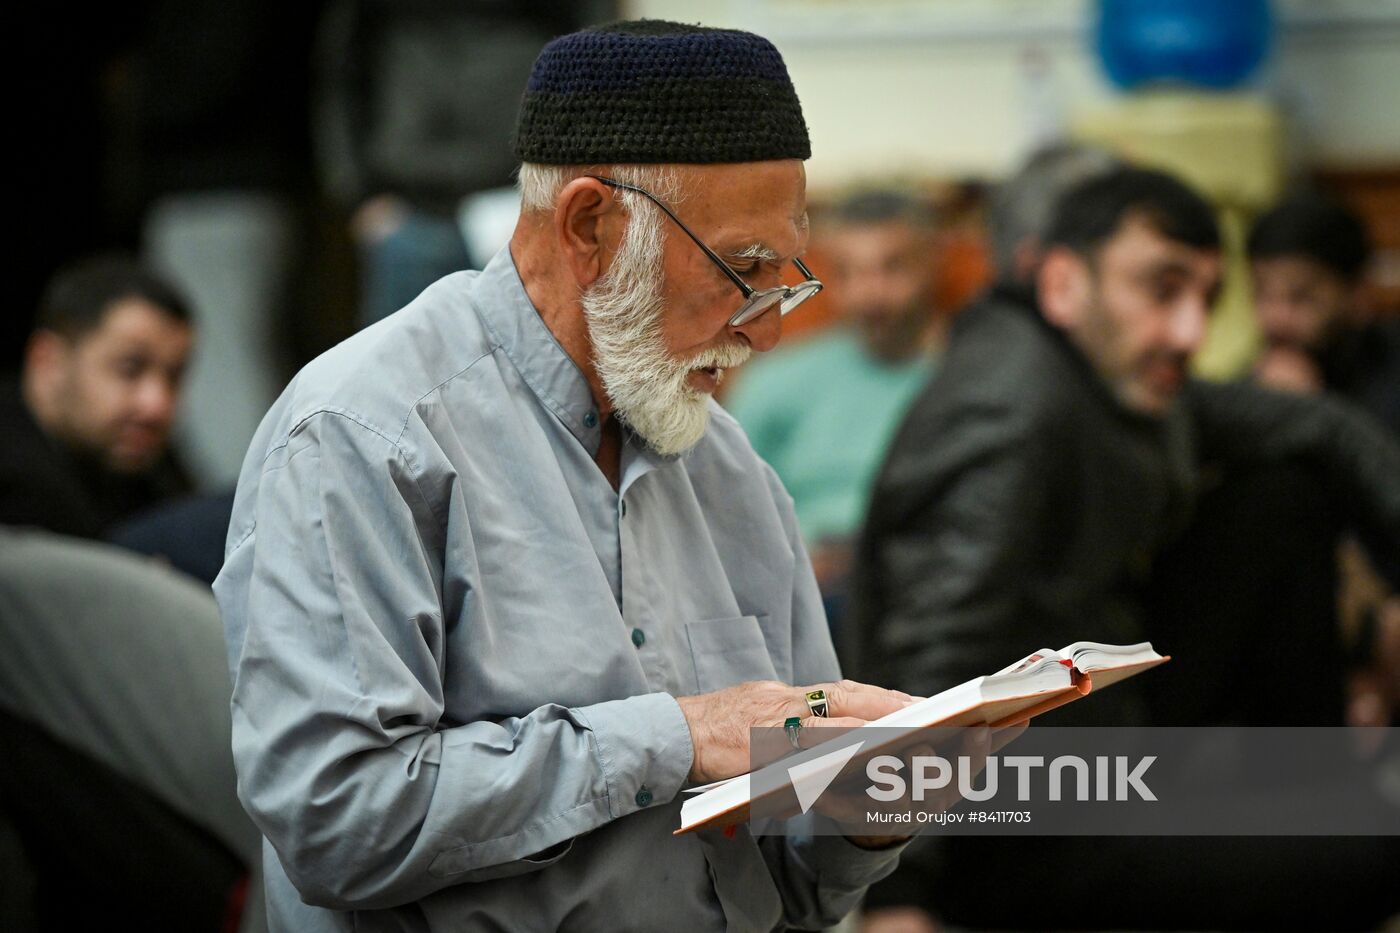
<point x="721" y="722"/>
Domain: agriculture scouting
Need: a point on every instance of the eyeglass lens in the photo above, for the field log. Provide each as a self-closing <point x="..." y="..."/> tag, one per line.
<point x="800" y="293"/>
<point x="786" y="298"/>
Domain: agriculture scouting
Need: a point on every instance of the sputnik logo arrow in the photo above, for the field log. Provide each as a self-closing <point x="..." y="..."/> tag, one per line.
<point x="811" y="778"/>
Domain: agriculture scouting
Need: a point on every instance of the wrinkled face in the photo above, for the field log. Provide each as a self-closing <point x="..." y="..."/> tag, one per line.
<point x="115" y="389"/>
<point x="882" y="275"/>
<point x="1299" y="302"/>
<point x="658" y="319"/>
<point x="1139" y="312"/>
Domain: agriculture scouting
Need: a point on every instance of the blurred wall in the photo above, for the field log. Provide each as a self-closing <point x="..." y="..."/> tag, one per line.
<point x="958" y="88"/>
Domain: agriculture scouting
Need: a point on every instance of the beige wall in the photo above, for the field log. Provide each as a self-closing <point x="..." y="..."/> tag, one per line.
<point x="943" y="87"/>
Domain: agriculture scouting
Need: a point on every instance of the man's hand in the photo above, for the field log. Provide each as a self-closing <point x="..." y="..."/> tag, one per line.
<point x="378" y="218"/>
<point x="831" y="563"/>
<point x="1288" y="371"/>
<point x="898" y="920"/>
<point x="720" y="721"/>
<point x="1374" y="691"/>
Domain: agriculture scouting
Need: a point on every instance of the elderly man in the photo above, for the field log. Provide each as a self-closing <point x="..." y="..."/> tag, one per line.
<point x="501" y="577"/>
<point x="87" y="424"/>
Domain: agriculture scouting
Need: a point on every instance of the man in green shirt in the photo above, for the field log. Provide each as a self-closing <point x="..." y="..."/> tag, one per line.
<point x="822" y="412"/>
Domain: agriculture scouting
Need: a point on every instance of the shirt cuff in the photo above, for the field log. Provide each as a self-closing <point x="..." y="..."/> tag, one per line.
<point x="644" y="749"/>
<point x="843" y="865"/>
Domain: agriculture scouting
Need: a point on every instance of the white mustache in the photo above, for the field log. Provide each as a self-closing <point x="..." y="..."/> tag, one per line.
<point x="727" y="356"/>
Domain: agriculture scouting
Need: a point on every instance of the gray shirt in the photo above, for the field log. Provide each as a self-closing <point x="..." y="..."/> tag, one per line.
<point x="456" y="648"/>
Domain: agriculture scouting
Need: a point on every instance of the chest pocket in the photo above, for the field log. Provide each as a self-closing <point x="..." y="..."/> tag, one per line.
<point x="728" y="651"/>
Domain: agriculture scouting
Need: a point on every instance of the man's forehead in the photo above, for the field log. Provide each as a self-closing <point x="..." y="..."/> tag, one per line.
<point x="764" y="237"/>
<point x="874" y="235"/>
<point x="1139" y="240"/>
<point x="778" y="184"/>
<point x="134" y="321"/>
<point x="1294" y="268"/>
<point x="753" y="209"/>
<point x="134" y="313"/>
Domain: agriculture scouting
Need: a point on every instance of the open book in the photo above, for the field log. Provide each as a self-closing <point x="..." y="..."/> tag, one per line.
<point x="1036" y="684"/>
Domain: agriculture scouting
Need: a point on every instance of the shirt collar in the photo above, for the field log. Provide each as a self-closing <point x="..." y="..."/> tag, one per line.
<point x="516" y="327"/>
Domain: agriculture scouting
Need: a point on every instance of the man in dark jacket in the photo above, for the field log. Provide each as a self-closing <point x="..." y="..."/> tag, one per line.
<point x="1308" y="256"/>
<point x="87" y="423"/>
<point x="1062" y="446"/>
<point x="1028" y="498"/>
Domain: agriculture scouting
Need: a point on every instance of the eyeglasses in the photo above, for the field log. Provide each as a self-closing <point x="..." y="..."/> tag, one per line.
<point x="756" y="300"/>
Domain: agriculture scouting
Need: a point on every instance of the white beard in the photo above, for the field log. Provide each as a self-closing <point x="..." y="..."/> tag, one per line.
<point x="647" y="386"/>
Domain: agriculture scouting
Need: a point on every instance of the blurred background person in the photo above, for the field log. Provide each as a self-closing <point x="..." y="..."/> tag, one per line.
<point x="210" y="174"/>
<point x="1308" y="256"/>
<point x="414" y="109"/>
<point x="118" y="805"/>
<point x="1041" y="487"/>
<point x="87" y="422"/>
<point x="822" y="411"/>
<point x="1022" y="206"/>
<point x="1037" y="494"/>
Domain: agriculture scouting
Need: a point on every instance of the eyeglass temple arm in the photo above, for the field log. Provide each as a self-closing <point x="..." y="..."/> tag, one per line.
<point x="733" y="276"/>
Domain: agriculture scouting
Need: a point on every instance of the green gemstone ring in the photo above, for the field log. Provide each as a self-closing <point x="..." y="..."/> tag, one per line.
<point x="792" y="726"/>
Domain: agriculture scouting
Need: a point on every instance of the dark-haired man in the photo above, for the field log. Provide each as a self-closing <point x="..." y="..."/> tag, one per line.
<point x="87" y="423"/>
<point x="1308" y="255"/>
<point x="1029" y="499"/>
<point x="1061" y="446"/>
<point x="1035" y="477"/>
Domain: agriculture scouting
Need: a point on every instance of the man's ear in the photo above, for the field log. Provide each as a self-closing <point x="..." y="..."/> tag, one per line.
<point x="1063" y="287"/>
<point x="46" y="355"/>
<point x="47" y="358"/>
<point x="588" y="225"/>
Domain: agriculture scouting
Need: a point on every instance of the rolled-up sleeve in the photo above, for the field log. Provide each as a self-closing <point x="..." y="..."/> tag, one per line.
<point x="332" y="597"/>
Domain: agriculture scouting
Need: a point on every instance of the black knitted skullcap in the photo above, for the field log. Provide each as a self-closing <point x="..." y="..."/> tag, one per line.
<point x="648" y="91"/>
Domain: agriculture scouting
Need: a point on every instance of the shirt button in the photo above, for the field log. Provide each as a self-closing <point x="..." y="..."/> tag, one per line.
<point x="590" y="420"/>
<point x="643" y="798"/>
<point x="639" y="637"/>
<point x="623" y="509"/>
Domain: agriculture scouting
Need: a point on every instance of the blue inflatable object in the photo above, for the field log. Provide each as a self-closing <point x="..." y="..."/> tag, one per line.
<point x="1214" y="43"/>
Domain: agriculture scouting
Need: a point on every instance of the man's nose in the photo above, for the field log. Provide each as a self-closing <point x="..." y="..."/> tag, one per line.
<point x="156" y="399"/>
<point x="1188" y="326"/>
<point x="764" y="331"/>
